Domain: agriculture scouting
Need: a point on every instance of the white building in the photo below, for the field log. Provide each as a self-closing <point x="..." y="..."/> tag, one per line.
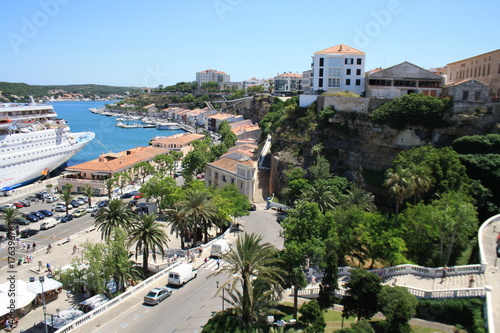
<point x="338" y="68"/>
<point x="287" y="82"/>
<point x="242" y="172"/>
<point x="211" y="75"/>
<point x="307" y="81"/>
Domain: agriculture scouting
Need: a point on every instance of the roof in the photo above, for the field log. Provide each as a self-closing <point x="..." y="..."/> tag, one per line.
<point x="148" y="106"/>
<point x="452" y="84"/>
<point x="229" y="164"/>
<point x="406" y="70"/>
<point x="182" y="138"/>
<point x="116" y="161"/>
<point x="238" y="152"/>
<point x="221" y="116"/>
<point x="340" y="49"/>
<point x="211" y="70"/>
<point x="466" y="59"/>
<point x="241" y="122"/>
<point x="245" y="128"/>
<point x="289" y="75"/>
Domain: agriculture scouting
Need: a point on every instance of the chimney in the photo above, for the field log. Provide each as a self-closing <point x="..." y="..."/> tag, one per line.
<point x="340" y="50"/>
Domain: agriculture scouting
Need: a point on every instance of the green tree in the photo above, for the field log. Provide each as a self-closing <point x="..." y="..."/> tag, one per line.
<point x="293" y="260"/>
<point x="144" y="169"/>
<point x="109" y="184"/>
<point x="250" y="259"/>
<point x="401" y="184"/>
<point x="320" y="170"/>
<point x="116" y="215"/>
<point x="361" y="198"/>
<point x="180" y="225"/>
<point x="198" y="208"/>
<point x="89" y="193"/>
<point x="195" y="162"/>
<point x="148" y="236"/>
<point x="320" y="192"/>
<point x="122" y="179"/>
<point x="164" y="163"/>
<point x="362" y="298"/>
<point x="66" y="197"/>
<point x="164" y="190"/>
<point x="398" y="307"/>
<point x="312" y="315"/>
<point x="10" y="215"/>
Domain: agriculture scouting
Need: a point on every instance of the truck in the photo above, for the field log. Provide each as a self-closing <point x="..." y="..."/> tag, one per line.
<point x="181" y="275"/>
<point x="219" y="247"/>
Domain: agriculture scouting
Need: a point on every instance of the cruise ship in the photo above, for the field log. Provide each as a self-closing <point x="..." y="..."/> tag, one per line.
<point x="33" y="142"/>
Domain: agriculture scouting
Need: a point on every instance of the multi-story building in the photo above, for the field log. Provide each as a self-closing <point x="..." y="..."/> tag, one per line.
<point x="402" y="79"/>
<point x="307" y="81"/>
<point x="484" y="67"/>
<point x="178" y="142"/>
<point x="211" y="75"/>
<point x="242" y="172"/>
<point x="338" y="68"/>
<point x="287" y="83"/>
<point x="213" y="122"/>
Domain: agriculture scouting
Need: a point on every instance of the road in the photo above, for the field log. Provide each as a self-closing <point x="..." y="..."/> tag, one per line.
<point x="189" y="307"/>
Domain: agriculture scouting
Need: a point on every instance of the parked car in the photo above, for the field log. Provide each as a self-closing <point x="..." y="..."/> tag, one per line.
<point x="126" y="195"/>
<point x="81" y="202"/>
<point x="49" y="223"/>
<point x="85" y="199"/>
<point x="21" y="221"/>
<point x="79" y="212"/>
<point x="60" y="208"/>
<point x="74" y="203"/>
<point x="157" y="295"/>
<point x="138" y="196"/>
<point x="61" y="203"/>
<point x="3" y="208"/>
<point x="133" y="203"/>
<point x="103" y="203"/>
<point x="30" y="198"/>
<point x="91" y="208"/>
<point x="39" y="215"/>
<point x="51" y="199"/>
<point x="46" y="212"/>
<point x="31" y="217"/>
<point x="94" y="212"/>
<point x="18" y="204"/>
<point x="29" y="232"/>
<point x="66" y="218"/>
<point x="25" y="203"/>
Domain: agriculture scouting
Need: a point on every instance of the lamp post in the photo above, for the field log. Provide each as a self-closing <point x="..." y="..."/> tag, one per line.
<point x="52" y="318"/>
<point x="217" y="284"/>
<point x="42" y="280"/>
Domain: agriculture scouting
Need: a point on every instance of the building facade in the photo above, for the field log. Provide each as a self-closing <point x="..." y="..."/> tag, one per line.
<point x="484" y="67"/>
<point x="287" y="83"/>
<point x="338" y="68"/>
<point x="210" y="75"/>
<point x="402" y="79"/>
<point x="469" y="90"/>
<point x="179" y="142"/>
<point x="242" y="172"/>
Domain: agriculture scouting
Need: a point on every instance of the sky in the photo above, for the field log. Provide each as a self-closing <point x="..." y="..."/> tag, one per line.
<point x="153" y="42"/>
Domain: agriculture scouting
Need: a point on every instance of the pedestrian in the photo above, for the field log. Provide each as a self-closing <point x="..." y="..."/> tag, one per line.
<point x="313" y="280"/>
<point x="39" y="265"/>
<point x="49" y="268"/>
<point x="471" y="281"/>
<point x="445" y="269"/>
<point x="49" y="248"/>
<point x="200" y="252"/>
<point x="205" y="262"/>
<point x="23" y="244"/>
<point x="74" y="249"/>
<point x="34" y="246"/>
<point x="28" y="247"/>
<point x="218" y="263"/>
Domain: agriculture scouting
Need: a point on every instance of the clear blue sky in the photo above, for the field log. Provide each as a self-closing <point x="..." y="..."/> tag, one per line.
<point x="152" y="42"/>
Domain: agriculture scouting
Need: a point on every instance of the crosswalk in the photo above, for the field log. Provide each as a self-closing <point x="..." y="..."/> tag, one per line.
<point x="212" y="264"/>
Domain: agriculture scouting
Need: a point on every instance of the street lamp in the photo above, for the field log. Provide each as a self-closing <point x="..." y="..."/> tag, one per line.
<point x="52" y="318"/>
<point x="42" y="280"/>
<point x="217" y="284"/>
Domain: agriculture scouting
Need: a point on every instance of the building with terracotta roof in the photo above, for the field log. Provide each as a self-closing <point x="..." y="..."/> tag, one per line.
<point x="182" y="142"/>
<point x="484" y="67"/>
<point x="210" y="75"/>
<point x="151" y="108"/>
<point x="402" y="79"/>
<point x="213" y="121"/>
<point x="248" y="131"/>
<point x="468" y="90"/>
<point x="287" y="83"/>
<point x="338" y="68"/>
<point x="94" y="173"/>
<point x="242" y="172"/>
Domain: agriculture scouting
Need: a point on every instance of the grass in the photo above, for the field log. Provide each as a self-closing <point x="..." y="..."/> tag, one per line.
<point x="333" y="320"/>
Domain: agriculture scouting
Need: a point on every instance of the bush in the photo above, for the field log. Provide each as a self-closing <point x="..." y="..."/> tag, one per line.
<point x="467" y="312"/>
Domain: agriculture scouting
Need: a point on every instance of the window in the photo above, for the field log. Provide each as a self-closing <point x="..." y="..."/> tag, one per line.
<point x="348" y="71"/>
<point x="348" y="82"/>
<point x="478" y="95"/>
<point x="224" y="178"/>
<point x="358" y="71"/>
<point x="334" y="62"/>
<point x="321" y="72"/>
<point x="465" y="95"/>
<point x="334" y="83"/>
<point x="216" y="175"/>
<point x="349" y="61"/>
<point x="334" y="72"/>
<point x="321" y="62"/>
<point x="320" y="83"/>
<point x="358" y="82"/>
<point x="358" y="61"/>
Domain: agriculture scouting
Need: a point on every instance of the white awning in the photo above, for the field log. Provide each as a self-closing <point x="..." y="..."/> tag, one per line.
<point x="48" y="284"/>
<point x="22" y="297"/>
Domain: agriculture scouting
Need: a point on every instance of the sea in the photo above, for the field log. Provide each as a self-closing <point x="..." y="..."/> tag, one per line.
<point x="109" y="138"/>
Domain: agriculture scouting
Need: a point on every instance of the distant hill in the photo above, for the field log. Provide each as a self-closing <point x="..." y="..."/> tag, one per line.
<point x="23" y="89"/>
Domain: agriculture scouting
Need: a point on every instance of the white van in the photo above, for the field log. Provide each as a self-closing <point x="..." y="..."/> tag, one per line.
<point x="48" y="223"/>
<point x="181" y="274"/>
<point x="219" y="247"/>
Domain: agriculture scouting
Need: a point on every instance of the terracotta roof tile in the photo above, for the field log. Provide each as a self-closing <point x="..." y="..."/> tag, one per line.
<point x="182" y="138"/>
<point x="340" y="49"/>
<point x="229" y="164"/>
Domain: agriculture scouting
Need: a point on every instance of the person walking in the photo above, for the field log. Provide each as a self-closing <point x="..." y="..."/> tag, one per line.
<point x="218" y="263"/>
<point x="205" y="262"/>
<point x="34" y="246"/>
<point x="49" y="268"/>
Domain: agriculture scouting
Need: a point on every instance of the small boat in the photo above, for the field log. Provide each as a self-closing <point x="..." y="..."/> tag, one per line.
<point x="4" y="123"/>
<point x="25" y="123"/>
<point x="167" y="126"/>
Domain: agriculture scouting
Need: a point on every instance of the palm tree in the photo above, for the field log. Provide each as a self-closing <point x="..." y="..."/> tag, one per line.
<point x="148" y="236"/>
<point x="198" y="208"/>
<point x="361" y="198"/>
<point x="250" y="260"/>
<point x="67" y="197"/>
<point x="10" y="215"/>
<point x="401" y="184"/>
<point x="109" y="184"/>
<point x="179" y="225"/>
<point x="117" y="215"/>
<point x="320" y="193"/>
<point x="88" y="192"/>
<point x="122" y="179"/>
<point x="423" y="181"/>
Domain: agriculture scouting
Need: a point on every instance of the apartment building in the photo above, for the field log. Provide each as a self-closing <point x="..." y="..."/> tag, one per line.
<point x="338" y="68"/>
<point x="182" y="142"/>
<point x="211" y="75"/>
<point x="287" y="83"/>
<point x="242" y="172"/>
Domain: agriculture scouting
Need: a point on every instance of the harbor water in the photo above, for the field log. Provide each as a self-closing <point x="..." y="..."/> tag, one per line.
<point x="109" y="138"/>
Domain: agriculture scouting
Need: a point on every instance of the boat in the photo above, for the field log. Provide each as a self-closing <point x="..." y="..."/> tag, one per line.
<point x="167" y="126"/>
<point x="5" y="123"/>
<point x="35" y="143"/>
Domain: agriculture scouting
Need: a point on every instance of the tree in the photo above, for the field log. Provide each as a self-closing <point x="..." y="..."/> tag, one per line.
<point x="362" y="290"/>
<point x="144" y="169"/>
<point x="198" y="208"/>
<point x="148" y="236"/>
<point x="195" y="162"/>
<point x="249" y="260"/>
<point x="164" y="190"/>
<point x="66" y="197"/>
<point x="321" y="194"/>
<point x="320" y="170"/>
<point x="180" y="225"/>
<point x="293" y="260"/>
<point x="312" y="315"/>
<point x="398" y="307"/>
<point x="88" y="192"/>
<point x="401" y="184"/>
<point x="116" y="215"/>
<point x="357" y="196"/>
<point x="122" y="179"/>
<point x="164" y="163"/>
<point x="10" y="215"/>
<point x="109" y="184"/>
